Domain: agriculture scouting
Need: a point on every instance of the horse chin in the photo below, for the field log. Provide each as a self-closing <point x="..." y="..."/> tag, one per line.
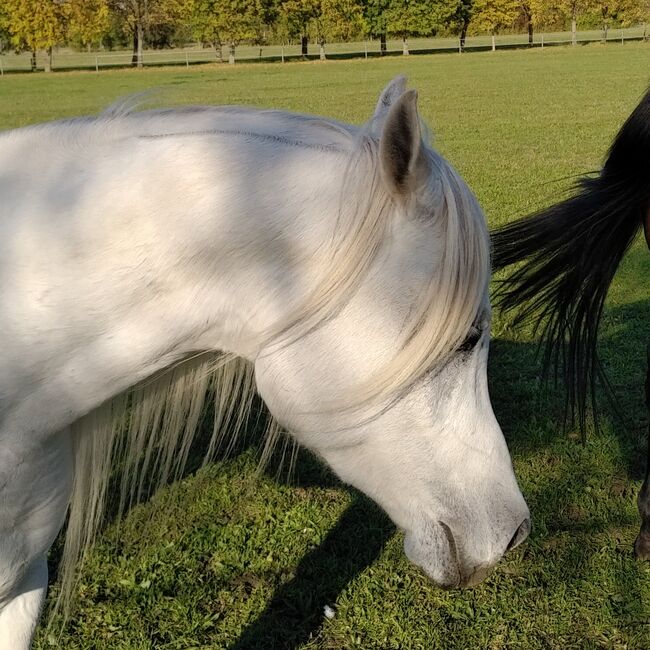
<point x="436" y="553"/>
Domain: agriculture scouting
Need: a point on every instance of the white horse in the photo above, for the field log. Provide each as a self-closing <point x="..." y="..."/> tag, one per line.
<point x="344" y="269"/>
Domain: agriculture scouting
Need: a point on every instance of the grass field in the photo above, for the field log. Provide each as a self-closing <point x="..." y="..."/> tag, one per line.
<point x="229" y="559"/>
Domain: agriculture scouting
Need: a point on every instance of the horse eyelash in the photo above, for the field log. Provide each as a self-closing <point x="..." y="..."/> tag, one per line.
<point x="471" y="339"/>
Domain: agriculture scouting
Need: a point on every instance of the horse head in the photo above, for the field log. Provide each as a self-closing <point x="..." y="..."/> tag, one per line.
<point x="390" y="388"/>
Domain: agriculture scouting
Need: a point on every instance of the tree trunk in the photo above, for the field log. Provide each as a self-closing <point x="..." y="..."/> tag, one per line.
<point x="231" y="53"/>
<point x="321" y="50"/>
<point x="48" y="60"/>
<point x="494" y="44"/>
<point x="405" y="46"/>
<point x="574" y="37"/>
<point x="134" y="56"/>
<point x="382" y="44"/>
<point x="605" y="30"/>
<point x="463" y="34"/>
<point x="140" y="43"/>
<point x="218" y="50"/>
<point x="530" y="32"/>
<point x="32" y="62"/>
<point x="304" y="41"/>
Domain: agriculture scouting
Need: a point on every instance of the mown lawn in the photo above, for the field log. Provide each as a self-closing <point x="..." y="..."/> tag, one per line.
<point x="227" y="558"/>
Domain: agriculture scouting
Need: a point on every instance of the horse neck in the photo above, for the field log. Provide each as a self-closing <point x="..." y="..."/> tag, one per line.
<point x="133" y="252"/>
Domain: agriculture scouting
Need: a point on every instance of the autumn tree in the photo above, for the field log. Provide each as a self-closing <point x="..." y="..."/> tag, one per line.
<point x="526" y="13"/>
<point x="88" y="21"/>
<point x="572" y="9"/>
<point x="142" y="15"/>
<point x="494" y="15"/>
<point x="619" y="12"/>
<point x="5" y="36"/>
<point x="35" y="25"/>
<point x="226" y="22"/>
<point x="337" y="20"/>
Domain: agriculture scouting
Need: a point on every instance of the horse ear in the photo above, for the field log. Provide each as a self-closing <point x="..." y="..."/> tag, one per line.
<point x="401" y="157"/>
<point x="646" y="226"/>
<point x="389" y="95"/>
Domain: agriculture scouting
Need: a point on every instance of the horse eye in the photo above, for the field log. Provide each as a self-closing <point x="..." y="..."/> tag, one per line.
<point x="472" y="339"/>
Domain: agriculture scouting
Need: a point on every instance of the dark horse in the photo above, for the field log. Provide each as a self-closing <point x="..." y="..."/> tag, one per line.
<point x="570" y="253"/>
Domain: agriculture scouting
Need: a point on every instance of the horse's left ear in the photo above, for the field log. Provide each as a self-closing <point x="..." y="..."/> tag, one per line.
<point x="389" y="95"/>
<point x="402" y="160"/>
<point x="646" y="226"/>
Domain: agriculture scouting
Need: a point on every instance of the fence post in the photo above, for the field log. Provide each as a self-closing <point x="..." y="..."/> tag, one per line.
<point x="542" y="41"/>
<point x="96" y="64"/>
<point x="2" y="70"/>
<point x="187" y="60"/>
<point x="282" y="54"/>
<point x="365" y="47"/>
<point x="622" y="37"/>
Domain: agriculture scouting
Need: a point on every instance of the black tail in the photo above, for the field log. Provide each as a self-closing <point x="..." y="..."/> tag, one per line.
<point x="571" y="252"/>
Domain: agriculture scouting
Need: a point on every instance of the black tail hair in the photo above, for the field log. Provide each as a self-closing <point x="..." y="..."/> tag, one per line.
<point x="571" y="252"/>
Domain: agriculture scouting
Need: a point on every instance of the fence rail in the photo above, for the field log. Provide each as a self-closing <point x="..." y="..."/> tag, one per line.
<point x="65" y="59"/>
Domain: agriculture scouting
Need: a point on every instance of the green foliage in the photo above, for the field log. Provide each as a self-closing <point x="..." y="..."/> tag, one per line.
<point x="458" y="21"/>
<point x="35" y="24"/>
<point x="374" y="12"/>
<point x="148" y="14"/>
<point x="295" y="17"/>
<point x="412" y="17"/>
<point x="338" y="20"/>
<point x="89" y="21"/>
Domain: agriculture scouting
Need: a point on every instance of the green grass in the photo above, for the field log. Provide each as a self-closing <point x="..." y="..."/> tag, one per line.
<point x="230" y="559"/>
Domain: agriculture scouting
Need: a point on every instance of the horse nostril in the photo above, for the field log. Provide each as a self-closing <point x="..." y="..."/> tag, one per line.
<point x="520" y="535"/>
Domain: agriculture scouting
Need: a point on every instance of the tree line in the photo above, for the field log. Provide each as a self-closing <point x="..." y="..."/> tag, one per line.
<point x="33" y="25"/>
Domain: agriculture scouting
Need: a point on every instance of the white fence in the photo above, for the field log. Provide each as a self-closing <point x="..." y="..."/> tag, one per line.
<point x="65" y="59"/>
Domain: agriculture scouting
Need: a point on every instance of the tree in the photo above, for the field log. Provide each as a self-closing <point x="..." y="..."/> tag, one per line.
<point x="295" y="18"/>
<point x="205" y="25"/>
<point x="35" y="25"/>
<point x="89" y="21"/>
<point x="226" y="21"/>
<point x="338" y="20"/>
<point x="547" y="13"/>
<point x="620" y="12"/>
<point x="374" y="13"/>
<point x="572" y="9"/>
<point x="459" y="20"/>
<point x="142" y="15"/>
<point x="527" y="14"/>
<point x="5" y="36"/>
<point x="494" y="15"/>
<point x="406" y="18"/>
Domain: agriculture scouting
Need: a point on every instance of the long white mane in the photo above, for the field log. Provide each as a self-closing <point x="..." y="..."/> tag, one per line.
<point x="148" y="431"/>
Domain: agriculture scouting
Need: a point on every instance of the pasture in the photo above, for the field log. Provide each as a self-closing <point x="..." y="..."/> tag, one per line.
<point x="229" y="558"/>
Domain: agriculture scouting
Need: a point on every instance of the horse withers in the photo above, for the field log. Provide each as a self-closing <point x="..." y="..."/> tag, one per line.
<point x="341" y="270"/>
